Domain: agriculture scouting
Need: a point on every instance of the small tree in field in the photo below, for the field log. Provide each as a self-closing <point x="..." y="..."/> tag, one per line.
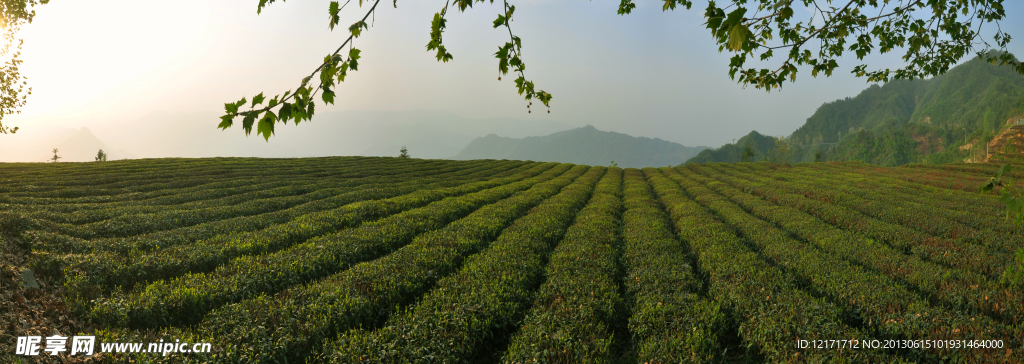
<point x="783" y="152"/>
<point x="55" y="157"/>
<point x="748" y="154"/>
<point x="404" y="153"/>
<point x="101" y="156"/>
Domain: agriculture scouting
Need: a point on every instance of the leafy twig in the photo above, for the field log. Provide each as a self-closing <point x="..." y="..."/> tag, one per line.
<point x="332" y="68"/>
<point x="510" y="54"/>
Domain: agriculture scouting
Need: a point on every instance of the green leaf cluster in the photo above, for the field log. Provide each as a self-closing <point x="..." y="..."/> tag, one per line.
<point x="932" y="44"/>
<point x="13" y="93"/>
<point x="509" y="58"/>
<point x="335" y="68"/>
<point x="357" y="27"/>
<point x="299" y="106"/>
<point x="333" y="9"/>
<point x="437" y="26"/>
<point x="626" y="7"/>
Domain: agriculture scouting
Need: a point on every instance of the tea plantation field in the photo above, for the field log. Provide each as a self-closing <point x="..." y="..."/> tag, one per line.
<point x="391" y="260"/>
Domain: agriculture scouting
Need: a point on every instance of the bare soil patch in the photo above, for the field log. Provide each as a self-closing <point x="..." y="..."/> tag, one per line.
<point x="31" y="311"/>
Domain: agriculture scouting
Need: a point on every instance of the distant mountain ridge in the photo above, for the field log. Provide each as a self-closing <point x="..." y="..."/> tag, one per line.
<point x="585" y="145"/>
<point x="428" y="134"/>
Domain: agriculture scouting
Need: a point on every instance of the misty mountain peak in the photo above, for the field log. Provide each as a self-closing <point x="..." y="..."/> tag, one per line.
<point x="584" y="145"/>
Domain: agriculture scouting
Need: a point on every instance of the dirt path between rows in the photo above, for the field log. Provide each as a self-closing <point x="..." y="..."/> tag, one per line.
<point x="31" y="311"/>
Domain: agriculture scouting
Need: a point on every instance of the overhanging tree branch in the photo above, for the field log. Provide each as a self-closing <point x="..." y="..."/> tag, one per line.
<point x="932" y="45"/>
<point x="302" y="109"/>
<point x="13" y="95"/>
<point x="335" y="67"/>
<point x="511" y="55"/>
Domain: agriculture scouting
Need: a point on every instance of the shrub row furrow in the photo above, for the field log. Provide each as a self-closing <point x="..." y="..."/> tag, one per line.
<point x="892" y="310"/>
<point x="573" y="312"/>
<point x="185" y="299"/>
<point x="763" y="303"/>
<point x="292" y="325"/>
<point x="468" y="312"/>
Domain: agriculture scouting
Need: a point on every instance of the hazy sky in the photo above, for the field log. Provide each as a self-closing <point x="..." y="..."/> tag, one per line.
<point x="105" y="64"/>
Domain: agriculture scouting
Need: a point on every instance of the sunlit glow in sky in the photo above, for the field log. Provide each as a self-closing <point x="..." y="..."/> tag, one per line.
<point x="111" y="65"/>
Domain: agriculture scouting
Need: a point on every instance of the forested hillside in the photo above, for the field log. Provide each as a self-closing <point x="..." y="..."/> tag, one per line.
<point x="948" y="118"/>
<point x="943" y="119"/>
